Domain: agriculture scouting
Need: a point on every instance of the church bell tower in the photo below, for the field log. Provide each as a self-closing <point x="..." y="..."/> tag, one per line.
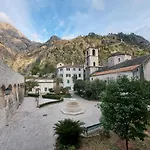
<point x="91" y="61"/>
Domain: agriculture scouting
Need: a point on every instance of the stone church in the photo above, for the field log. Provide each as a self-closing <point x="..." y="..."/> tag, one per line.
<point x="11" y="93"/>
<point x="118" y="64"/>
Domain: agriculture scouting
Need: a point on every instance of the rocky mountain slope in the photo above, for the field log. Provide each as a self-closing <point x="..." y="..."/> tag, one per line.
<point x="56" y="50"/>
<point x="68" y="51"/>
<point x="14" y="39"/>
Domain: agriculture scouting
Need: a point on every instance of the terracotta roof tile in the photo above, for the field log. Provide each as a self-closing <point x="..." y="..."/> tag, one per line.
<point x="125" y="69"/>
<point x="127" y="63"/>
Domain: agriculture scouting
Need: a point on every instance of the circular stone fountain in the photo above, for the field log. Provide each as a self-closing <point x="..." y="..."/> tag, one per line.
<point x="73" y="108"/>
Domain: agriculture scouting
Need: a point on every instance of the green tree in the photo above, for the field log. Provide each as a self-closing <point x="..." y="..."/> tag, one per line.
<point x="29" y="85"/>
<point x="68" y="132"/>
<point x="88" y="90"/>
<point x="124" y="108"/>
<point x="74" y="78"/>
<point x="79" y="86"/>
<point x="47" y="68"/>
<point x="97" y="87"/>
<point x="57" y="87"/>
<point x="35" y="70"/>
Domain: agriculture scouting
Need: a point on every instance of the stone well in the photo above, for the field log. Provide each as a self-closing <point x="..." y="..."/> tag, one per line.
<point x="73" y="108"/>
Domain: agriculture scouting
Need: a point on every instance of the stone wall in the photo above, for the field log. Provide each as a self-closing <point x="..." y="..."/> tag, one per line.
<point x="11" y="93"/>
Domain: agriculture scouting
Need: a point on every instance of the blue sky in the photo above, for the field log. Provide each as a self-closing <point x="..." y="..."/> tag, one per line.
<point x="40" y="19"/>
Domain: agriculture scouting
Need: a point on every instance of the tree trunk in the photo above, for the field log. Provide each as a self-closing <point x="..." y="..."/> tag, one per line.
<point x="127" y="148"/>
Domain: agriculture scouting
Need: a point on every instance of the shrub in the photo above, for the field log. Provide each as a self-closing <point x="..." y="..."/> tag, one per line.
<point x="62" y="147"/>
<point x="52" y="96"/>
<point x="68" y="132"/>
<point x="90" y="90"/>
<point x="64" y="90"/>
<point x="68" y="95"/>
<point x="58" y="96"/>
<point x="33" y="95"/>
<point x="79" y="86"/>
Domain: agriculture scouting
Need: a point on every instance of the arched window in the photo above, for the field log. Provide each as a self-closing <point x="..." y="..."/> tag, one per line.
<point x="93" y="63"/>
<point x="93" y="52"/>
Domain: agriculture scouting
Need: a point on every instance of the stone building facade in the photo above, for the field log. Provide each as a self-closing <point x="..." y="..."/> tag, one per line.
<point x="68" y="72"/>
<point x="44" y="84"/>
<point x="11" y="93"/>
<point x="138" y="67"/>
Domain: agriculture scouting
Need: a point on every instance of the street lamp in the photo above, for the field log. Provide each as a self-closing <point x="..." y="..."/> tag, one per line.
<point x="38" y="93"/>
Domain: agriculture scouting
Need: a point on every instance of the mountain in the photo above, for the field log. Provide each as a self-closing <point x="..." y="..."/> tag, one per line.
<point x="14" y="39"/>
<point x="52" y="40"/>
<point x="135" y="40"/>
<point x="68" y="51"/>
<point x="6" y="54"/>
<point x="25" y="55"/>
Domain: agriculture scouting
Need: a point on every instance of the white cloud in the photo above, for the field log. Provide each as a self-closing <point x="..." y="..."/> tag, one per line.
<point x="98" y="4"/>
<point x="45" y="31"/>
<point x="61" y="23"/>
<point x="5" y="17"/>
<point x="17" y="12"/>
<point x="36" y="37"/>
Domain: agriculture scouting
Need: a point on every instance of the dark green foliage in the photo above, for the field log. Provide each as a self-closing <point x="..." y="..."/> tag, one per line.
<point x="90" y="89"/>
<point x="33" y="95"/>
<point x="64" y="90"/>
<point x="46" y="69"/>
<point x="57" y="87"/>
<point x="35" y="70"/>
<point x="54" y="96"/>
<point x="97" y="87"/>
<point x="67" y="95"/>
<point x="62" y="147"/>
<point x="134" y="39"/>
<point x="93" y="35"/>
<point x="68" y="132"/>
<point x="124" y="108"/>
<point x="29" y="85"/>
<point x="79" y="86"/>
<point x="51" y="90"/>
<point x="74" y="78"/>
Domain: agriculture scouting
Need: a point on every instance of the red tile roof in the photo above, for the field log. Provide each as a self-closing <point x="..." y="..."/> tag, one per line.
<point x="124" y="69"/>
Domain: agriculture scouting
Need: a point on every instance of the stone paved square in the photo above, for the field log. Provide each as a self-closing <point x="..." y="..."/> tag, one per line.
<point x="30" y="130"/>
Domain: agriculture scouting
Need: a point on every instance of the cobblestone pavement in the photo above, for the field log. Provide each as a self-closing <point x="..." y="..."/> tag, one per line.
<point x="30" y="130"/>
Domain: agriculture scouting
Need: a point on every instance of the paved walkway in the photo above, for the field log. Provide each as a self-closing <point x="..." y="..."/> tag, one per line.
<point x="30" y="130"/>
